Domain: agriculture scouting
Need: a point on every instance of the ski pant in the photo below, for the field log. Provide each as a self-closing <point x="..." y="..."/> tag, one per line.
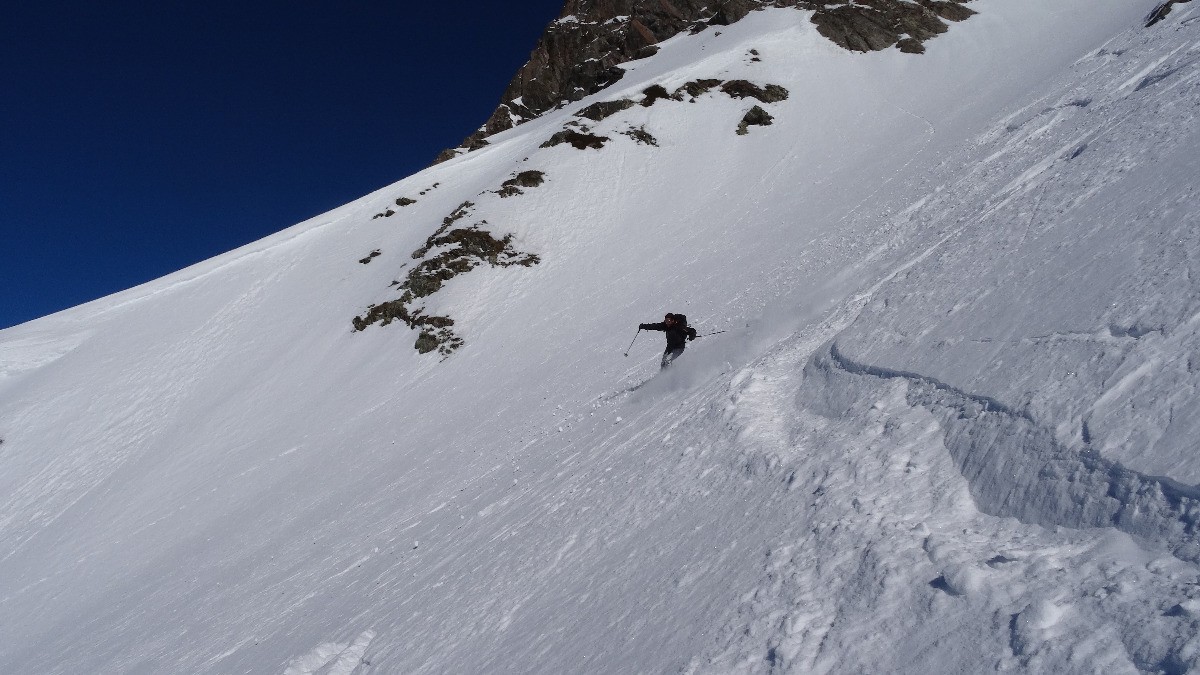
<point x="670" y="355"/>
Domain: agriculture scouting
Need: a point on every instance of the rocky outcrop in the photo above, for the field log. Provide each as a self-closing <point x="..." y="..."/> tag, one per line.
<point x="757" y="117"/>
<point x="599" y="111"/>
<point x="695" y="88"/>
<point x="641" y="136"/>
<point x="873" y="25"/>
<point x="772" y="93"/>
<point x="1161" y="11"/>
<point x="452" y="250"/>
<point x="578" y="135"/>
<point x="580" y="141"/>
<point x="579" y="53"/>
<point x="527" y="179"/>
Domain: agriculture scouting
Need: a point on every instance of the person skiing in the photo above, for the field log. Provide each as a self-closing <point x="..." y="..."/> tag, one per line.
<point x="678" y="335"/>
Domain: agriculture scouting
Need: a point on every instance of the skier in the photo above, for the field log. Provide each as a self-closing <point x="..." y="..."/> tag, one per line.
<point x="678" y="335"/>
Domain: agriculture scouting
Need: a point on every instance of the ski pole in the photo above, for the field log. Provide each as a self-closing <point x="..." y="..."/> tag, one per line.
<point x="635" y="337"/>
<point x="716" y="333"/>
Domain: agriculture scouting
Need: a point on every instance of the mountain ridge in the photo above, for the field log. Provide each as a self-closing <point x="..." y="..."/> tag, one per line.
<point x="579" y="54"/>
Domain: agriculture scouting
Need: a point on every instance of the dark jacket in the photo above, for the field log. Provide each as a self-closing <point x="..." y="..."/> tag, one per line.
<point x="677" y="335"/>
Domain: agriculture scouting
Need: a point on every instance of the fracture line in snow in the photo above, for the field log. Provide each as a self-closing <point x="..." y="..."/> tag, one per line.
<point x="332" y="658"/>
<point x="1017" y="468"/>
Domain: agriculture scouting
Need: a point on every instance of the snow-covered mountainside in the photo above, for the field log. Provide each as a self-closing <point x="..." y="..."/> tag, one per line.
<point x="949" y="426"/>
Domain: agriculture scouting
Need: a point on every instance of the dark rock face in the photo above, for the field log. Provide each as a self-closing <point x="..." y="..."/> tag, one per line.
<point x="527" y="179"/>
<point x="653" y="94"/>
<point x="695" y="88"/>
<point x="873" y="25"/>
<point x="1161" y="11"/>
<point x="579" y="141"/>
<point x="598" y="111"/>
<point x="772" y="93"/>
<point x="756" y="117"/>
<point x="579" y="54"/>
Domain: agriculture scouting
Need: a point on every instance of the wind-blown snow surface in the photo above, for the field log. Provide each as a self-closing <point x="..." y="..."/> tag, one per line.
<point x="949" y="429"/>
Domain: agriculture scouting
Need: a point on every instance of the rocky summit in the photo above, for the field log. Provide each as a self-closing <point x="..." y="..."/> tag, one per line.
<point x="580" y="53"/>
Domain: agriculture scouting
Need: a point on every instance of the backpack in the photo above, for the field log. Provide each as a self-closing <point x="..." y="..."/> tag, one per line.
<point x="681" y="319"/>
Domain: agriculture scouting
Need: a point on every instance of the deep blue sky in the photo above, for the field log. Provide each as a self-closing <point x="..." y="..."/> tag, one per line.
<point x="137" y="138"/>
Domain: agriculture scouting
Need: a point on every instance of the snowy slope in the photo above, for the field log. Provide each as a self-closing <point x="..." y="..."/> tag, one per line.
<point x="948" y="428"/>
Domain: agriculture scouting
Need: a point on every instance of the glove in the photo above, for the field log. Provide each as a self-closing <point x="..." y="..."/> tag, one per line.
<point x="691" y="337"/>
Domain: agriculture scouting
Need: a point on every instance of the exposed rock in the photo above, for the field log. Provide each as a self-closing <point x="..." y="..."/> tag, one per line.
<point x="730" y="12"/>
<point x="405" y="201"/>
<point x="598" y="111"/>
<point x="695" y="88"/>
<point x="642" y="136"/>
<point x="374" y="254"/>
<point x="528" y="179"/>
<point x="576" y="139"/>
<point x="646" y="52"/>
<point x="459" y="250"/>
<point x="872" y="25"/>
<point x="459" y="212"/>
<point x="1161" y="11"/>
<point x="435" y="330"/>
<point x="577" y="58"/>
<point x="443" y="339"/>
<point x="756" y="117"/>
<point x="466" y="249"/>
<point x="952" y="10"/>
<point x="772" y="93"/>
<point x="653" y="94"/>
<point x="447" y="154"/>
<point x="639" y="31"/>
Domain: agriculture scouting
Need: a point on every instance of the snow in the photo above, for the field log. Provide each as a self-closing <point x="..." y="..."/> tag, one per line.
<point x="949" y="428"/>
